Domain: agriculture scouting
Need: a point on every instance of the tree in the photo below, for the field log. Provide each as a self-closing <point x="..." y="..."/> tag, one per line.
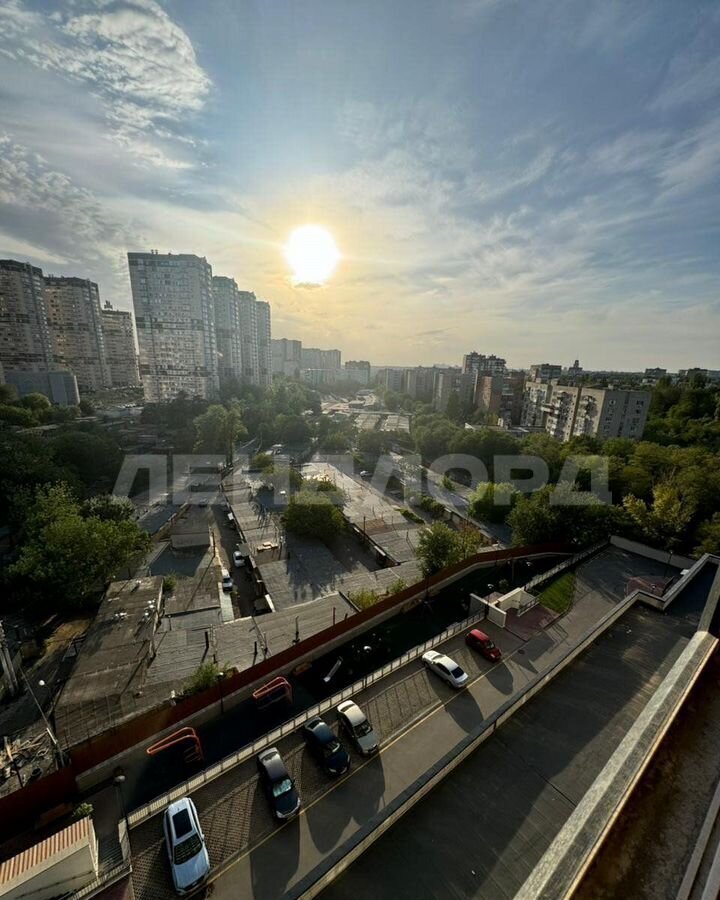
<point x="109" y="508"/>
<point x="17" y="415"/>
<point x="665" y="521"/>
<point x="94" y="457"/>
<point x="68" y="558"/>
<point x="492" y="502"/>
<point x="439" y="546"/>
<point x="217" y="430"/>
<point x="292" y="429"/>
<point x="313" y="514"/>
<point x="709" y="536"/>
<point x="86" y="408"/>
<point x="35" y="402"/>
<point x="550" y="515"/>
<point x="8" y="394"/>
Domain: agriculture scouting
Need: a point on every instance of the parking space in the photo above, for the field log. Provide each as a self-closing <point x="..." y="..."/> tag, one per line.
<point x="233" y="809"/>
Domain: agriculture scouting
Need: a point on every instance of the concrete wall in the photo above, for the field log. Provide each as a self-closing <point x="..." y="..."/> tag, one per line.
<point x="682" y="562"/>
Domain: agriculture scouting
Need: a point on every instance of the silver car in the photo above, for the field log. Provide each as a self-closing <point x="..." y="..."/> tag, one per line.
<point x="185" y="844"/>
<point x="445" y="668"/>
<point x="359" y="730"/>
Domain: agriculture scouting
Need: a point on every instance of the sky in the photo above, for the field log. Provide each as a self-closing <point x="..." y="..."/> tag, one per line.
<point x="534" y="179"/>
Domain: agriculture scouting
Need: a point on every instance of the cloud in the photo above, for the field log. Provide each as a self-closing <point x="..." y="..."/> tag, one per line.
<point x="134" y="59"/>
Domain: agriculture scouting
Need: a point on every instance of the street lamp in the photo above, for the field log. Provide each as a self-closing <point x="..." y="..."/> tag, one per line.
<point x="46" y="721"/>
<point x="119" y="781"/>
<point x="220" y="676"/>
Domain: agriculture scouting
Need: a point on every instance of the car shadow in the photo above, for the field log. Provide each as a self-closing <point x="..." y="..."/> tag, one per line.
<point x="501" y="678"/>
<point x="274" y="862"/>
<point x="460" y="705"/>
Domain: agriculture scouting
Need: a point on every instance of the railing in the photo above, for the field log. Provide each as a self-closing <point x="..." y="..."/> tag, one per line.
<point x="249" y="750"/>
<point x="565" y="564"/>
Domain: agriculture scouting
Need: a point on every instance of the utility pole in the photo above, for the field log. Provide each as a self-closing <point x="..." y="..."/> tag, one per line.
<point x="7" y="664"/>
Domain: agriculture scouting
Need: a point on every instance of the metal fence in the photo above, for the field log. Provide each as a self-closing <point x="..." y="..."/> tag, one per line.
<point x="249" y="750"/>
<point x="565" y="564"/>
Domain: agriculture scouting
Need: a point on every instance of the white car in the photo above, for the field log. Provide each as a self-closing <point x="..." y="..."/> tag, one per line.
<point x="238" y="560"/>
<point x="359" y="730"/>
<point x="227" y="582"/>
<point x="445" y="668"/>
<point x="185" y="844"/>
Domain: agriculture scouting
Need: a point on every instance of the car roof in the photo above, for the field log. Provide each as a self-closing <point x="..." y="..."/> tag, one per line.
<point x="479" y="634"/>
<point x="273" y="764"/>
<point x="442" y="658"/>
<point x="352" y="712"/>
<point x="320" y="729"/>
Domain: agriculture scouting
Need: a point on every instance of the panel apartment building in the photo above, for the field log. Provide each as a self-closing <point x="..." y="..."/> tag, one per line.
<point x="264" y="343"/>
<point x="75" y="323"/>
<point x="120" y="352"/>
<point x="567" y="411"/>
<point x="286" y="357"/>
<point x="228" y="330"/>
<point x="175" y="320"/>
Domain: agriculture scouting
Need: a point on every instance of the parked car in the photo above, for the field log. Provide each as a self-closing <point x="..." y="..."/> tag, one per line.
<point x="445" y="668"/>
<point x="326" y="747"/>
<point x="227" y="582"/>
<point x="238" y="559"/>
<point x="359" y="730"/>
<point x="479" y="641"/>
<point x="365" y="474"/>
<point x="185" y="844"/>
<point x="279" y="786"/>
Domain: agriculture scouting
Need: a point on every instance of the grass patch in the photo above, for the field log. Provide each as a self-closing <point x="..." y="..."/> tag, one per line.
<point x="411" y="516"/>
<point x="559" y="595"/>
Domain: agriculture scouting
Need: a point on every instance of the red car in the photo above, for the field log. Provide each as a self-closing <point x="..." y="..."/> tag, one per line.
<point x="479" y="641"/>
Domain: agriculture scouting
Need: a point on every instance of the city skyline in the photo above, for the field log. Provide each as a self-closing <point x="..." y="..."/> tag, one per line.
<point x="483" y="199"/>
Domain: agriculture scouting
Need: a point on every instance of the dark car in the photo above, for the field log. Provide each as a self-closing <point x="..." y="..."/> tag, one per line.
<point x="279" y="786"/>
<point x="479" y="641"/>
<point x="326" y="747"/>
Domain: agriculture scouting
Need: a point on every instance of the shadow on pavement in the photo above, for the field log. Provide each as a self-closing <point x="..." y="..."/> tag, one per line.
<point x="274" y="862"/>
<point x="501" y="678"/>
<point x="368" y="788"/>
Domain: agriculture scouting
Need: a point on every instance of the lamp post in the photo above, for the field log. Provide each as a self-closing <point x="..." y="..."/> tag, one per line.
<point x="46" y="721"/>
<point x="119" y="781"/>
<point x="220" y="676"/>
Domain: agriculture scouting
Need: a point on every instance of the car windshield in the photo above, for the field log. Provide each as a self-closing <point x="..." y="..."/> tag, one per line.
<point x="331" y="748"/>
<point x="457" y="672"/>
<point x="187" y="849"/>
<point x="488" y="645"/>
<point x="363" y="728"/>
<point x="281" y="787"/>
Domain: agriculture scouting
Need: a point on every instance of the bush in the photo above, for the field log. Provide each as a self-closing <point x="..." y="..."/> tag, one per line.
<point x="82" y="810"/>
<point x="169" y="583"/>
<point x="313" y="514"/>
<point x="411" y="516"/>
<point x="365" y="599"/>
<point x="206" y="675"/>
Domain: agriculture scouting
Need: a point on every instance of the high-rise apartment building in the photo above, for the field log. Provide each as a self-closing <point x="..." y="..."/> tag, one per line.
<point x="228" y="331"/>
<point x="545" y="371"/>
<point x="264" y="343"/>
<point x="120" y="352"/>
<point x="453" y="381"/>
<point x="567" y="411"/>
<point x="479" y="364"/>
<point x="25" y="343"/>
<point x="76" y="333"/>
<point x="175" y="320"/>
<point x="249" y="335"/>
<point x="314" y="358"/>
<point x="358" y="371"/>
<point x="420" y="382"/>
<point x="286" y="357"/>
<point x="395" y="379"/>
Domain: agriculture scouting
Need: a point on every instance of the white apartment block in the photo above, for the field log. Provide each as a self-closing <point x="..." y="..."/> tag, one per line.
<point x="479" y="364"/>
<point x="175" y="320"/>
<point x="567" y="411"/>
<point x="315" y="358"/>
<point x="120" y="352"/>
<point x="76" y="333"/>
<point x="228" y="329"/>
<point x="249" y="335"/>
<point x="264" y="343"/>
<point x="25" y="344"/>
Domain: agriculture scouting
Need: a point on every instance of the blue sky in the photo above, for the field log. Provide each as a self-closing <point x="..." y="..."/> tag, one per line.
<point x="534" y="179"/>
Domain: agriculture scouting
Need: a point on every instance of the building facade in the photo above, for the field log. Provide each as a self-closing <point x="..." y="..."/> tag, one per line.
<point x="76" y="332"/>
<point x="58" y="387"/>
<point x="228" y="333"/>
<point x="545" y="371"/>
<point x="25" y="344"/>
<point x="264" y="343"/>
<point x="315" y="358"/>
<point x="286" y="357"/>
<point x="358" y="370"/>
<point x="175" y="320"/>
<point x="420" y="382"/>
<point x="120" y="352"/>
<point x="479" y="364"/>
<point x="249" y="335"/>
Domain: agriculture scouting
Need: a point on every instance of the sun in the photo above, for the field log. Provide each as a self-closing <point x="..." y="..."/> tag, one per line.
<point x="312" y="253"/>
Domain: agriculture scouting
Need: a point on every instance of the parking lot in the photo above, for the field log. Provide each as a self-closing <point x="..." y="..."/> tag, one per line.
<point x="233" y="809"/>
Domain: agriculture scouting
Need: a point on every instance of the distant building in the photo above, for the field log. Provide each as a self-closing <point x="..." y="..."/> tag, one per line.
<point x="314" y="358"/>
<point x="575" y="369"/>
<point x="545" y="371"/>
<point x="25" y="344"/>
<point x="394" y="379"/>
<point x="120" y="352"/>
<point x="264" y="341"/>
<point x="568" y="411"/>
<point x="58" y="387"/>
<point x="75" y="322"/>
<point x="479" y="364"/>
<point x="712" y="375"/>
<point x="358" y="370"/>
<point x="249" y="335"/>
<point x="286" y="357"/>
<point x="175" y="320"/>
<point x="420" y="382"/>
<point x="228" y="333"/>
<point x="322" y="376"/>
<point x="450" y="382"/>
<point x="488" y="393"/>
